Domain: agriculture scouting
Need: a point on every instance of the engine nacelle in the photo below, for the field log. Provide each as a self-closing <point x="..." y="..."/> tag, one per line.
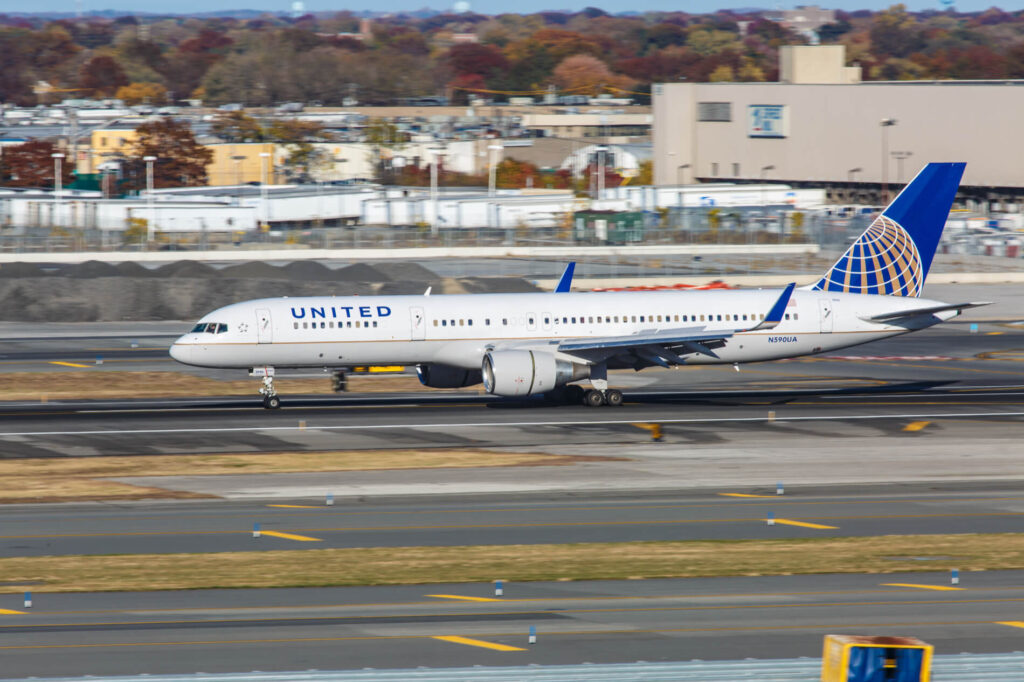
<point x="446" y="376"/>
<point x="528" y="372"/>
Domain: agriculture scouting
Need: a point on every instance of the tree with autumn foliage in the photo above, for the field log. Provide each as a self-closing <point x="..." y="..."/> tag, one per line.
<point x="587" y="75"/>
<point x="142" y="93"/>
<point x="102" y="76"/>
<point x="180" y="160"/>
<point x="32" y="165"/>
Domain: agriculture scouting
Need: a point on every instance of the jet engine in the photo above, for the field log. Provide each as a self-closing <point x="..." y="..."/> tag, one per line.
<point x="527" y="372"/>
<point x="447" y="376"/>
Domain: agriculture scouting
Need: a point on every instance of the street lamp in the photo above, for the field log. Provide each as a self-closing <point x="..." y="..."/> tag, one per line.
<point x="264" y="213"/>
<point x="600" y="169"/>
<point x="900" y="157"/>
<point x="58" y="184"/>
<point x="492" y="172"/>
<point x="151" y="225"/>
<point x="682" y="167"/>
<point x="885" y="123"/>
<point x="436" y="153"/>
<point x="764" y="205"/>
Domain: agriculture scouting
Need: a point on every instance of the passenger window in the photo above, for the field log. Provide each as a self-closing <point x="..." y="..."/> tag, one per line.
<point x="305" y="325"/>
<point x="296" y="325"/>
<point x="444" y="323"/>
<point x="487" y="322"/>
<point x="504" y="321"/>
<point x="453" y="323"/>
<point x="796" y="316"/>
<point x="744" y="318"/>
<point x="547" y="320"/>
<point x="787" y="316"/>
<point x="349" y="325"/>
<point x="435" y="323"/>
<point x="530" y="320"/>
<point x="591" y="320"/>
<point x="641" y="318"/>
<point x="469" y="322"/>
<point x="375" y="323"/>
<point x="462" y="323"/>
<point x="659" y="318"/>
<point x="323" y="325"/>
<point x="634" y="318"/>
<point x="677" y="318"/>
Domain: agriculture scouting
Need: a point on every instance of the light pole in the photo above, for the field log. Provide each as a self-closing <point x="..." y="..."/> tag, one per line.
<point x="151" y="225"/>
<point x="436" y="153"/>
<point x="900" y="157"/>
<point x="492" y="171"/>
<point x="679" y="170"/>
<point x="764" y="204"/>
<point x="58" y="184"/>
<point x="600" y="170"/>
<point x="885" y="123"/>
<point x="264" y="213"/>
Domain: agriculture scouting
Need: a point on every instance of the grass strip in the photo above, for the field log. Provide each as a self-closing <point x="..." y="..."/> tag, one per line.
<point x="96" y="383"/>
<point x="519" y="563"/>
<point x="86" y="478"/>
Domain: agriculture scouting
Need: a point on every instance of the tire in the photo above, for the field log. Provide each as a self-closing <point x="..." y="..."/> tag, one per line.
<point x="613" y="398"/>
<point x="593" y="398"/>
<point x="272" y="402"/>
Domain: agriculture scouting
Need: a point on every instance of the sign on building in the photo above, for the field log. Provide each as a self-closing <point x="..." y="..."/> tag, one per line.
<point x="766" y="120"/>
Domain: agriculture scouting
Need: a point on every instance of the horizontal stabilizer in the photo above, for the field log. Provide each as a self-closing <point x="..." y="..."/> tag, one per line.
<point x="915" y="312"/>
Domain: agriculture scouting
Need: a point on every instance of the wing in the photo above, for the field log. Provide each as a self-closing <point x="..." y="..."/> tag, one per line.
<point x="663" y="347"/>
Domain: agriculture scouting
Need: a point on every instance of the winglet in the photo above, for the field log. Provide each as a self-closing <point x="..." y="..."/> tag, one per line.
<point x="565" y="284"/>
<point x="774" y="315"/>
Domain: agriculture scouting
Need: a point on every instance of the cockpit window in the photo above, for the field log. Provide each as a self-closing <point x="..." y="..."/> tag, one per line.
<point x="210" y="328"/>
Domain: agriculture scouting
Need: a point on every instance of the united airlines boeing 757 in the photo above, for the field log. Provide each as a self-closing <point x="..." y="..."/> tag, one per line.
<point x="543" y="343"/>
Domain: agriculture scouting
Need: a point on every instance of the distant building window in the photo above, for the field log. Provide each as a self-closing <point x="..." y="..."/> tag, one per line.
<point x="714" y="111"/>
<point x="714" y="170"/>
<point x="735" y="170"/>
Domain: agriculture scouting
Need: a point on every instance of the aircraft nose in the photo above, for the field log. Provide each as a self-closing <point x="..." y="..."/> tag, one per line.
<point x="182" y="352"/>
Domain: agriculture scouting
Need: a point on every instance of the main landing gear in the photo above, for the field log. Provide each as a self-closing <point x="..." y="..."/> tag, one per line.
<point x="595" y="398"/>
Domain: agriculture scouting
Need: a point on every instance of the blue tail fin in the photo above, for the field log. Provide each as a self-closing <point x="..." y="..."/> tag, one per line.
<point x="894" y="254"/>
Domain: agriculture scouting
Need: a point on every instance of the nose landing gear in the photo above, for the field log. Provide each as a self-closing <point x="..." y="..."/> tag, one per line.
<point x="271" y="400"/>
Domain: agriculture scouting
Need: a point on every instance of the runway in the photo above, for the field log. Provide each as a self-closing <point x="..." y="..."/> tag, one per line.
<point x="465" y="624"/>
<point x="729" y="514"/>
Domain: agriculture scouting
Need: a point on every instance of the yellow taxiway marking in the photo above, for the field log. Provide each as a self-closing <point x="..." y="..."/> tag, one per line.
<point x="290" y="536"/>
<point x="915" y="426"/>
<point x="804" y="524"/>
<point x="770" y="497"/>
<point x="939" y="588"/>
<point x="69" y="364"/>
<point x="478" y="642"/>
<point x="11" y="612"/>
<point x="994" y="333"/>
<point x="1011" y="623"/>
<point x="460" y="597"/>
<point x="294" y="506"/>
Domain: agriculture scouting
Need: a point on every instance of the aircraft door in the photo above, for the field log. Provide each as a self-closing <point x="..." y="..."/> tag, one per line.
<point x="264" y="326"/>
<point x="825" y="314"/>
<point x="418" y="324"/>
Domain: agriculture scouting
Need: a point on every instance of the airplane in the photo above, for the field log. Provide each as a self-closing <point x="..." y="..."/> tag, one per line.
<point x="544" y="343"/>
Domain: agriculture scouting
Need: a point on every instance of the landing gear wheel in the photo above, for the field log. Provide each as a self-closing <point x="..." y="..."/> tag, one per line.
<point x="593" y="398"/>
<point x="272" y="402"/>
<point x="612" y="397"/>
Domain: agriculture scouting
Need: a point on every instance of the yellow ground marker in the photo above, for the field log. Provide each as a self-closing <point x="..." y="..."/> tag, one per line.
<point x="1011" y="623"/>
<point x="293" y="506"/>
<point x="993" y="333"/>
<point x="804" y="524"/>
<point x="10" y="612"/>
<point x="769" y="497"/>
<point x="655" y="429"/>
<point x="477" y="642"/>
<point x="69" y="364"/>
<point x="940" y="588"/>
<point x="915" y="426"/>
<point x="289" y="536"/>
<point x="460" y="597"/>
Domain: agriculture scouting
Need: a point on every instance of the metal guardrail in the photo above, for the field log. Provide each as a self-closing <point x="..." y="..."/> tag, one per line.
<point x="945" y="668"/>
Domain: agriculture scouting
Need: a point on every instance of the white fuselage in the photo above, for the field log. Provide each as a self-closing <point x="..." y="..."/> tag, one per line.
<point x="458" y="330"/>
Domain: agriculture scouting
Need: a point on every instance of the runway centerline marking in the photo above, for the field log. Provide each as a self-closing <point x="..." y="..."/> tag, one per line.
<point x="11" y="612"/>
<point x="745" y="495"/>
<point x="939" y="588"/>
<point x="291" y="536"/>
<point x="915" y="426"/>
<point x="804" y="524"/>
<point x="294" y="506"/>
<point x="462" y="598"/>
<point x="1011" y="623"/>
<point x="68" y="364"/>
<point x="477" y="642"/>
<point x="477" y="425"/>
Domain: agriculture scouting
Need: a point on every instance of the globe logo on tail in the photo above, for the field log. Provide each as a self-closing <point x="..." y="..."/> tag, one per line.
<point x="884" y="260"/>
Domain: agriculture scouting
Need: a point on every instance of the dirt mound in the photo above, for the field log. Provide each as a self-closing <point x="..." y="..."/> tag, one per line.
<point x="253" y="270"/>
<point x="133" y="269"/>
<point x="309" y="271"/>
<point x="90" y="269"/>
<point x="21" y="270"/>
<point x="186" y="268"/>
<point x="360" y="272"/>
<point x="497" y="285"/>
<point x="400" y="271"/>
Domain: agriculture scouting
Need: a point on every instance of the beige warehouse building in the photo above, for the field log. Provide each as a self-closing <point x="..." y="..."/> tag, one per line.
<point x="805" y="131"/>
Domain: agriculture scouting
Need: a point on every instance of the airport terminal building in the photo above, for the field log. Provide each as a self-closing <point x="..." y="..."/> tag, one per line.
<point x="821" y="126"/>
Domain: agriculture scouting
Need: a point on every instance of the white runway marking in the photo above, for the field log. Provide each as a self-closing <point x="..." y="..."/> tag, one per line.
<point x="471" y="425"/>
